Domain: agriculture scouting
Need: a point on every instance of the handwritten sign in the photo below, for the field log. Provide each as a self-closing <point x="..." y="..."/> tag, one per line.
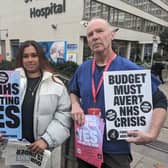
<point x="128" y="102"/>
<point x="10" y="106"/>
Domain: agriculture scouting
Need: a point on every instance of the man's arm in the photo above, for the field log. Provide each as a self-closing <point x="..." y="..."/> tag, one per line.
<point x="139" y="137"/>
<point x="159" y="113"/>
<point x="77" y="112"/>
<point x="158" y="119"/>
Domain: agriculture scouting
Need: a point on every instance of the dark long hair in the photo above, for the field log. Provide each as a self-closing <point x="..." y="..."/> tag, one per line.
<point x="44" y="63"/>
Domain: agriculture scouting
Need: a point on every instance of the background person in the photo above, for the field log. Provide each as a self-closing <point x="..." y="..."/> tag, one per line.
<point x="157" y="69"/>
<point x="88" y="76"/>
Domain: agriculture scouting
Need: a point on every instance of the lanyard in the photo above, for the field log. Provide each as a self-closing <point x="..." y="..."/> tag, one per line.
<point x="94" y="90"/>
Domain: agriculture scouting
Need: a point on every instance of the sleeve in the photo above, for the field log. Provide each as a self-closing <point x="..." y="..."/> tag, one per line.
<point x="73" y="85"/>
<point x="59" y="129"/>
<point x="159" y="100"/>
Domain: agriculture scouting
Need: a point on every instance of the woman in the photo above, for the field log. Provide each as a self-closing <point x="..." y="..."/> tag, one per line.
<point x="45" y="102"/>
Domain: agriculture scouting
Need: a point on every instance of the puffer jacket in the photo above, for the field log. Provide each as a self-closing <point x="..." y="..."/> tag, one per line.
<point x="52" y="118"/>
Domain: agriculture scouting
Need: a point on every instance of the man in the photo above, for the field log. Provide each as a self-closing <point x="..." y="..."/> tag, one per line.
<point x="86" y="90"/>
<point x="46" y="116"/>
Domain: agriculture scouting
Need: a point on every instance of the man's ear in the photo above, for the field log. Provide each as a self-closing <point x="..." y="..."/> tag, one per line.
<point x="113" y="35"/>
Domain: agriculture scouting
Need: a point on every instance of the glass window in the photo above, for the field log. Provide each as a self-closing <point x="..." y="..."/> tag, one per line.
<point x="165" y="1"/>
<point x="115" y="17"/>
<point x="134" y="54"/>
<point x="147" y="26"/>
<point x="87" y="6"/>
<point x="121" y="18"/>
<point x="128" y="20"/>
<point x="3" y="48"/>
<point x="134" y="22"/>
<point x="111" y="15"/>
<point x="139" y="24"/>
<point x="149" y="7"/>
<point x="105" y="12"/>
<point x="95" y="9"/>
<point x="86" y="51"/>
<point x="14" y="47"/>
<point x="147" y="52"/>
<point x="120" y="47"/>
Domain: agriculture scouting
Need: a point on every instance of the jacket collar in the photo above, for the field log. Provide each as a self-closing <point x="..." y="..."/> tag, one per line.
<point x="46" y="74"/>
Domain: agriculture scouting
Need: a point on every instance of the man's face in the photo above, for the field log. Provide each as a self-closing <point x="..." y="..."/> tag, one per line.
<point x="99" y="36"/>
<point x="30" y="60"/>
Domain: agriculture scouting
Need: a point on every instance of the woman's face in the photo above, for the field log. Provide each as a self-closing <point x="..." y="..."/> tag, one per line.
<point x="30" y="60"/>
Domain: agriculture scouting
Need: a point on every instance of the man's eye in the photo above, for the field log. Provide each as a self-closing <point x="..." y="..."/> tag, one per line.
<point x="90" y="34"/>
<point x="99" y="31"/>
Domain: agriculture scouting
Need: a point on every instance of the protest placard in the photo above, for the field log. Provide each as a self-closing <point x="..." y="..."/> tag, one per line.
<point x="17" y="153"/>
<point x="10" y="106"/>
<point x="88" y="140"/>
<point x="128" y="102"/>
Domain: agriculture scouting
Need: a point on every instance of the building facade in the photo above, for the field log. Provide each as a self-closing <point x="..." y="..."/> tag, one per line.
<point x="137" y="24"/>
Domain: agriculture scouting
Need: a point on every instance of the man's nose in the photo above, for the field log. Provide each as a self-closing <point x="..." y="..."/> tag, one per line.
<point x="95" y="35"/>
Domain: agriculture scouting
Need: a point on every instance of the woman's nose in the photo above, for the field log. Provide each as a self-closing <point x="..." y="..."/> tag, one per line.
<point x="30" y="58"/>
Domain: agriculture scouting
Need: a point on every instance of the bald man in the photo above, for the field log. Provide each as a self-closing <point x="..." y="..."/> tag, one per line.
<point x="117" y="154"/>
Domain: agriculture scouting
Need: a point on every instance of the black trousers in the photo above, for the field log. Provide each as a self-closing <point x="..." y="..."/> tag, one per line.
<point x="110" y="161"/>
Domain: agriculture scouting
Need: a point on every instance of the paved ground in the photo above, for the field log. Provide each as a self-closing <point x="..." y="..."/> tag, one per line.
<point x="145" y="157"/>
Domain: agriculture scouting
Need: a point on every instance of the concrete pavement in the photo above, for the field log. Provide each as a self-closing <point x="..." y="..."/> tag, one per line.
<point x="146" y="157"/>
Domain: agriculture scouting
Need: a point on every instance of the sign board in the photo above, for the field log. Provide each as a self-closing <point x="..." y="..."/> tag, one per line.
<point x="44" y="9"/>
<point x="17" y="153"/>
<point x="10" y="106"/>
<point x="72" y="52"/>
<point x="55" y="51"/>
<point x="89" y="140"/>
<point x="128" y="102"/>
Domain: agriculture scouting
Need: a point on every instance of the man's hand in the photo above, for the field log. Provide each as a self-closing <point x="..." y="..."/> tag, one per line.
<point x="139" y="137"/>
<point x="77" y="114"/>
<point x="158" y="165"/>
<point x="38" y="146"/>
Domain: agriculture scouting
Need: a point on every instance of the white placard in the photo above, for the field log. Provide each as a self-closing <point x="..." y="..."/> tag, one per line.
<point x="10" y="105"/>
<point x="17" y="153"/>
<point x="128" y="102"/>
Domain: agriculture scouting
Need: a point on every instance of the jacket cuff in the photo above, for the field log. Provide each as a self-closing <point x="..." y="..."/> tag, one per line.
<point x="48" y="139"/>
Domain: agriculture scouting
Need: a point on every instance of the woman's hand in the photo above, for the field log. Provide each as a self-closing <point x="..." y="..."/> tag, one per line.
<point x="38" y="146"/>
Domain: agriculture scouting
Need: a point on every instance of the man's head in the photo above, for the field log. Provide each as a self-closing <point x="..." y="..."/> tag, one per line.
<point x="99" y="36"/>
<point x="31" y="57"/>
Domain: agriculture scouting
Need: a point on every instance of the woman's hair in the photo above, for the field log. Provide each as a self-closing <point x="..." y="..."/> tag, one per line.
<point x="44" y="63"/>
